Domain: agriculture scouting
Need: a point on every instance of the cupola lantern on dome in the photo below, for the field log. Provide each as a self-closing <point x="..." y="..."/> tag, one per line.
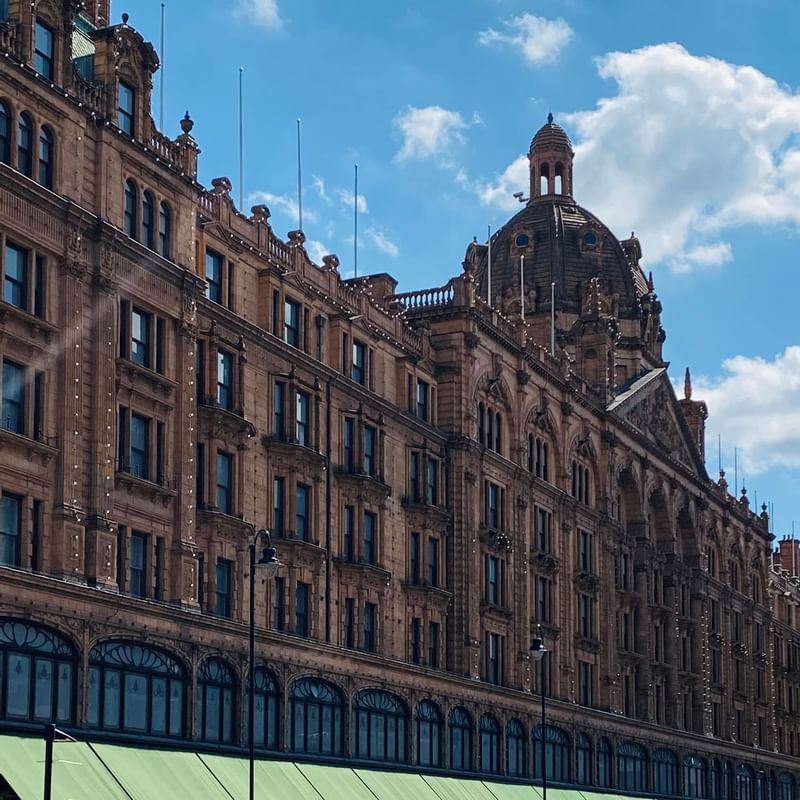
<point x="550" y="158"/>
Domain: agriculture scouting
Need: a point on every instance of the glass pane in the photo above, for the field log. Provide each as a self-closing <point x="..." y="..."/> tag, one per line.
<point x="93" y="715"/>
<point x="135" y="703"/>
<point x="313" y="744"/>
<point x="158" y="688"/>
<point x="43" y="696"/>
<point x="176" y="708"/>
<point x="227" y="716"/>
<point x="299" y="728"/>
<point x="363" y="731"/>
<point x="258" y="719"/>
<point x="111" y="699"/>
<point x="19" y="682"/>
<point x="213" y="714"/>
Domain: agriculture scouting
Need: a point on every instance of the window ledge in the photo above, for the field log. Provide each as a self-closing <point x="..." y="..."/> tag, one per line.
<point x="291" y="446"/>
<point x="587" y="643"/>
<point x="31" y="448"/>
<point x="376" y="482"/>
<point x="500" y="613"/>
<point x="298" y="552"/>
<point x="422" y="505"/>
<point x="132" y="371"/>
<point x="36" y="327"/>
<point x="546" y="563"/>
<point x="228" y="523"/>
<point x="225" y="424"/>
<point x="361" y="572"/>
<point x="136" y="486"/>
<point x="496" y="539"/>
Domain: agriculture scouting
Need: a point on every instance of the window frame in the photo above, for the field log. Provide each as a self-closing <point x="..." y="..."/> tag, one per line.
<point x="126" y="116"/>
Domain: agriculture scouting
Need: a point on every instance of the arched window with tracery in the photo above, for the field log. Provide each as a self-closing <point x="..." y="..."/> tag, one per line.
<point x="490" y="427"/>
<point x="490" y="744"/>
<point x="581" y="486"/>
<point x="695" y="776"/>
<point x="316" y="714"/>
<point x="148" y="220"/>
<point x="460" y="725"/>
<point x="135" y="688"/>
<point x="712" y="563"/>
<point x="267" y="710"/>
<point x="583" y="760"/>
<point x="745" y="778"/>
<point x="5" y="133"/>
<point x="605" y="777"/>
<point x="556" y="753"/>
<point x="164" y="230"/>
<point x="665" y="772"/>
<point x="379" y="726"/>
<point x="37" y="674"/>
<point x="429" y="734"/>
<point x="215" y="702"/>
<point x="538" y="456"/>
<point x="734" y="574"/>
<point x="131" y="213"/>
<point x="25" y="145"/>
<point x="632" y="767"/>
<point x="515" y="749"/>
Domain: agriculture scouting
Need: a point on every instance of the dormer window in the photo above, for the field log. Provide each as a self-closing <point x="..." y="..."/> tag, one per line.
<point x="522" y="241"/>
<point x="43" y="60"/>
<point x="126" y="109"/>
<point x="590" y="239"/>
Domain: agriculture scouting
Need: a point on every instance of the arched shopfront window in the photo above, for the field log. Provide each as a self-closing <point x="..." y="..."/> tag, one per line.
<point x="267" y="710"/>
<point x="583" y="760"/>
<point x="379" y="726"/>
<point x="135" y="688"/>
<point x="316" y="711"/>
<point x="632" y="767"/>
<point x="37" y="674"/>
<point x="460" y="739"/>
<point x="762" y="786"/>
<point x="490" y="744"/>
<point x="745" y="778"/>
<point x="515" y="749"/>
<point x="785" y="787"/>
<point x="215" y="702"/>
<point x="429" y="734"/>
<point x="604" y="763"/>
<point x="557" y="753"/>
<point x="665" y="772"/>
<point x="695" y="776"/>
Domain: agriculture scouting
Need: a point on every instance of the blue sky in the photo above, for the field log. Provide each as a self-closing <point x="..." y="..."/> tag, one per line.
<point x="687" y="130"/>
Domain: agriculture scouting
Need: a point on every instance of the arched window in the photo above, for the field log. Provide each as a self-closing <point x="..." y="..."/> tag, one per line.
<point x="583" y="760"/>
<point x="148" y="221"/>
<point x="604" y="763"/>
<point x="762" y="786"/>
<point x="164" y="230"/>
<point x="515" y="749"/>
<point x="379" y="726"/>
<point x="481" y="423"/>
<point x="131" y="226"/>
<point x="784" y="788"/>
<point x="215" y="702"/>
<point x="734" y="575"/>
<point x="37" y="674"/>
<point x="5" y="133"/>
<point x="538" y="457"/>
<point x="745" y="779"/>
<point x="316" y="711"/>
<point x="728" y="781"/>
<point x="556" y="753"/>
<point x="490" y="428"/>
<point x="715" y="788"/>
<point x="632" y="767"/>
<point x="544" y="179"/>
<point x="25" y="145"/>
<point x="460" y="739"/>
<point x="429" y="734"/>
<point x="665" y="772"/>
<point x="711" y="561"/>
<point x="695" y="776"/>
<point x="135" y="688"/>
<point x="46" y="158"/>
<point x="490" y="744"/>
<point x="581" y="483"/>
<point x="267" y="709"/>
<point x="755" y="587"/>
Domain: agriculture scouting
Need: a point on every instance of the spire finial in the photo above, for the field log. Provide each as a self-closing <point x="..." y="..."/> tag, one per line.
<point x="687" y="385"/>
<point x="550" y="118"/>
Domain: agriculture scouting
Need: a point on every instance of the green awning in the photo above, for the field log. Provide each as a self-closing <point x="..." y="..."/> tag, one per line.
<point x="161" y="774"/>
<point x="278" y="779"/>
<point x="458" y="788"/>
<point x="396" y="785"/>
<point x="589" y="795"/>
<point x="77" y="772"/>
<point x="336" y="783"/>
<point x="513" y="791"/>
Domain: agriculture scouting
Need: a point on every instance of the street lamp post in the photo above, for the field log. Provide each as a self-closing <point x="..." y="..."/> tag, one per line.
<point x="537" y="653"/>
<point x="269" y="564"/>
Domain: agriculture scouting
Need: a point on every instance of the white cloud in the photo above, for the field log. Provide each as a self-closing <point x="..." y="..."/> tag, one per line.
<point x="319" y="187"/>
<point x="261" y="12"/>
<point x="285" y="205"/>
<point x="539" y="40"/>
<point x="380" y="241"/>
<point x="685" y="148"/>
<point x="347" y="199"/>
<point x="430" y="132"/>
<point x="755" y="406"/>
<point x="316" y="250"/>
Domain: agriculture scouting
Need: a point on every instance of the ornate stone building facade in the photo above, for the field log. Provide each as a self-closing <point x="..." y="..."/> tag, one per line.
<point x="445" y="473"/>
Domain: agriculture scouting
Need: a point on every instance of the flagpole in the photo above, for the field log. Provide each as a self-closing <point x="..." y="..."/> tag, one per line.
<point x="522" y="288"/>
<point x="299" y="180"/>
<point x="489" y="270"/>
<point x="163" y="61"/>
<point x="355" y="220"/>
<point x="241" y="138"/>
<point x="553" y="319"/>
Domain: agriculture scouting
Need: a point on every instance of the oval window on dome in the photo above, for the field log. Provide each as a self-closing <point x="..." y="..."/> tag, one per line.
<point x="590" y="239"/>
<point x="522" y="241"/>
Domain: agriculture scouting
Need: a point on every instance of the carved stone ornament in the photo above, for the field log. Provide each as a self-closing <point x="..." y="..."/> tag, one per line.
<point x="547" y="564"/>
<point x="654" y="416"/>
<point x="588" y="582"/>
<point x="497" y="540"/>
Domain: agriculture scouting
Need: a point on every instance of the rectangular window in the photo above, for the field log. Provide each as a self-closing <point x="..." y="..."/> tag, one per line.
<point x="141" y="336"/>
<point x="301" y="609"/>
<point x="543" y="598"/>
<point x="225" y="483"/>
<point x="225" y="380"/>
<point x="279" y="506"/>
<point x="14" y="397"/>
<point x="140" y="447"/>
<point x="303" y="433"/>
<point x="370" y="551"/>
<point x="432" y="484"/>
<point x="543" y="520"/>
<point x="158" y="593"/>
<point x="370" y="627"/>
<point x="200" y="476"/>
<point x="302" y="524"/>
<point x="416" y="640"/>
<point x="278" y="399"/>
<point x="494" y="658"/>
<point x="348" y="444"/>
<point x="349" y="533"/>
<point x="494" y="581"/>
<point x="586" y="616"/>
<point x="586" y="683"/>
<point x="44" y="52"/>
<point x="370" y="445"/>
<point x="349" y="623"/>
<point x="126" y="110"/>
<point x="291" y="323"/>
<point x="137" y="584"/>
<point x="433" y="561"/>
<point x="423" y="398"/>
<point x="494" y="505"/>
<point x="433" y="645"/>
<point x="36" y="535"/>
<point x="214" y="263"/>
<point x="15" y="278"/>
<point x="585" y="555"/>
<point x="359" y="371"/>
<point x="222" y="605"/>
<point x="279" y="604"/>
<point x="414" y="568"/>
<point x="414" y="476"/>
<point x="38" y="287"/>
<point x="10" y="529"/>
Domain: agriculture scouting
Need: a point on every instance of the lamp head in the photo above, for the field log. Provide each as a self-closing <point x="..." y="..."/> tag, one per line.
<point x="268" y="563"/>
<point x="537" y="649"/>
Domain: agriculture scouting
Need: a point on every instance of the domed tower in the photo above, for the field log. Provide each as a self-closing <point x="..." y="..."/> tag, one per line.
<point x="550" y="157"/>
